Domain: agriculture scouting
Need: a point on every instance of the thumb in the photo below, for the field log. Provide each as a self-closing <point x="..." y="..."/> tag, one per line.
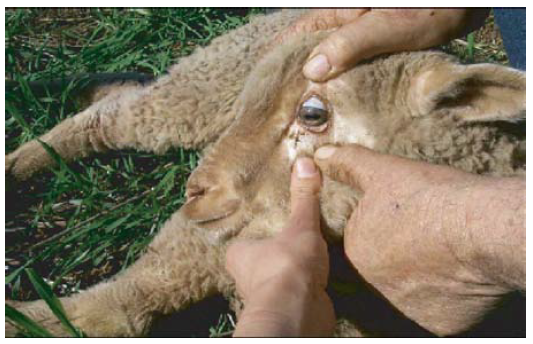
<point x="374" y="33"/>
<point x="305" y="188"/>
<point x="354" y="165"/>
<point x="319" y="20"/>
<point x="360" y="39"/>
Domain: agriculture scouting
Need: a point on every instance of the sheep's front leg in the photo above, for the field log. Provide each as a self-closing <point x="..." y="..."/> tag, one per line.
<point x="169" y="113"/>
<point x="96" y="129"/>
<point x="180" y="267"/>
<point x="183" y="109"/>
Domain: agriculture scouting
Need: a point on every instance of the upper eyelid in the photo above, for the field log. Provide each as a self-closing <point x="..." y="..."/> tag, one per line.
<point x="310" y="94"/>
<point x="315" y="102"/>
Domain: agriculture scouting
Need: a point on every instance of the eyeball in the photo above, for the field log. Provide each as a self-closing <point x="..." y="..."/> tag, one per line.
<point x="313" y="112"/>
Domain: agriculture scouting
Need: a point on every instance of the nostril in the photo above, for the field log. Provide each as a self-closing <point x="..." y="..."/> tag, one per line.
<point x="194" y="192"/>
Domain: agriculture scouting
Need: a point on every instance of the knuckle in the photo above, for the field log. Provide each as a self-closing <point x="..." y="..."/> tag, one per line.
<point x="287" y="259"/>
<point x="347" y="153"/>
<point x="304" y="191"/>
<point x="313" y="243"/>
<point x="305" y="188"/>
<point x="343" y="161"/>
<point x="338" y="48"/>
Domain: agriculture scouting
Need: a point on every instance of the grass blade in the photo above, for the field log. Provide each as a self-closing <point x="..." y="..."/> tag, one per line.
<point x="57" y="158"/>
<point x="25" y="324"/>
<point x="470" y="47"/>
<point x="18" y="118"/>
<point x="45" y="292"/>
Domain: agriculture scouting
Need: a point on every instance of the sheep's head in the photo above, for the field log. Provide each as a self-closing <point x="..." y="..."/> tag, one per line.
<point x="421" y="105"/>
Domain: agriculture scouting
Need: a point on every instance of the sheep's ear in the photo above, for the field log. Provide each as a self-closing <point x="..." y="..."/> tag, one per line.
<point x="482" y="92"/>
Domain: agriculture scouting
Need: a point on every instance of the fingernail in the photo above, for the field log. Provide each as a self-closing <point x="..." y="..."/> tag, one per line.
<point x="305" y="168"/>
<point x="317" y="68"/>
<point x="324" y="152"/>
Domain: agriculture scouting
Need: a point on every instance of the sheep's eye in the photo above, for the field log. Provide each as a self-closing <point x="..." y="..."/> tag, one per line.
<point x="313" y="112"/>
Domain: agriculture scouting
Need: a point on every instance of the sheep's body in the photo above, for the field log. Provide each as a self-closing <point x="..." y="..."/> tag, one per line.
<point x="241" y="107"/>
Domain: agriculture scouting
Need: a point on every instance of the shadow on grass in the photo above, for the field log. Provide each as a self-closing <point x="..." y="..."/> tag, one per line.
<point x="194" y="321"/>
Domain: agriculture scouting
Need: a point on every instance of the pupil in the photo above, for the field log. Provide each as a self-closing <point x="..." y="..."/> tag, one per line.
<point x="313" y="116"/>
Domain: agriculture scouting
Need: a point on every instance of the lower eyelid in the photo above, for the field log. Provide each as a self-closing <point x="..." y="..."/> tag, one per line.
<point x="320" y="129"/>
<point x="315" y="130"/>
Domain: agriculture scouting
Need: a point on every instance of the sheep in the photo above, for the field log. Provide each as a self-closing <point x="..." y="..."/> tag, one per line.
<point x="247" y="105"/>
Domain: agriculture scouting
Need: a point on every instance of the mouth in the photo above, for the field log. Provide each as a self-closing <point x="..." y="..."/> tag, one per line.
<point x="220" y="214"/>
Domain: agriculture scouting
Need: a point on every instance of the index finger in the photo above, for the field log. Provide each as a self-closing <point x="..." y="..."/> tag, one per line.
<point x="305" y="189"/>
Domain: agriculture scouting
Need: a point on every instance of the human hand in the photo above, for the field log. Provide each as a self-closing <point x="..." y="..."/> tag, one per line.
<point x="283" y="279"/>
<point x="364" y="33"/>
<point x="440" y="244"/>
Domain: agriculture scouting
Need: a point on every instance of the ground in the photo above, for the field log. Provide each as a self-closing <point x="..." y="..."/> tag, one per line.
<point x="85" y="221"/>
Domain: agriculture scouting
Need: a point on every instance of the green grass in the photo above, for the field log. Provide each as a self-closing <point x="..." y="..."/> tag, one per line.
<point x="31" y="329"/>
<point x="85" y="221"/>
<point x="481" y="46"/>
